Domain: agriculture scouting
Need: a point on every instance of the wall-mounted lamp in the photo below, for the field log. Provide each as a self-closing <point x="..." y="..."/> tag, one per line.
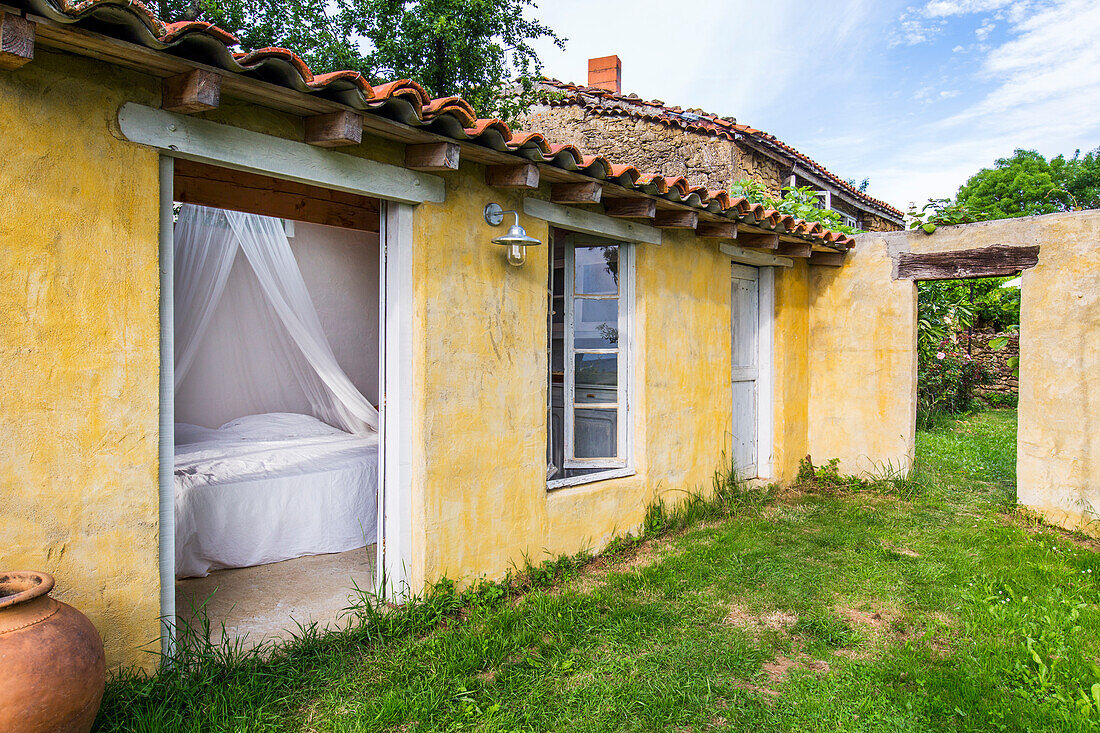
<point x="516" y="240"/>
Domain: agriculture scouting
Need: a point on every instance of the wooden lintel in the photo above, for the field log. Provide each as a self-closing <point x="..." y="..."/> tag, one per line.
<point x="829" y="259"/>
<point x="758" y="240"/>
<point x="754" y="258"/>
<point x="630" y="208"/>
<point x="432" y="156"/>
<point x="195" y="91"/>
<point x="335" y="130"/>
<point x="208" y="185"/>
<point x="789" y="249"/>
<point x="589" y="222"/>
<point x="206" y="141"/>
<point x="576" y="193"/>
<point x="676" y="219"/>
<point x="525" y="175"/>
<point x="717" y="229"/>
<point x="997" y="259"/>
<point x="16" y="41"/>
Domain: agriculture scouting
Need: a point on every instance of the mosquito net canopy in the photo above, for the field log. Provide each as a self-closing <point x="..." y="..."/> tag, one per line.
<point x="284" y="328"/>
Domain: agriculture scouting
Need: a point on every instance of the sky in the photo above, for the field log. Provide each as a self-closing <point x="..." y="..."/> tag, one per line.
<point x="915" y="96"/>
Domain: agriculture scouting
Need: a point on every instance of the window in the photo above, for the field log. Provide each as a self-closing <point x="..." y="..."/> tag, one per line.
<point x="588" y="340"/>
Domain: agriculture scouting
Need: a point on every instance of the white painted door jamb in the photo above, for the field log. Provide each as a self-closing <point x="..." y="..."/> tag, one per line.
<point x="166" y="460"/>
<point x="396" y="403"/>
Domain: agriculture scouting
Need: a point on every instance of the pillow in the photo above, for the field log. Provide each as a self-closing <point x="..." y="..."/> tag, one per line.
<point x="188" y="433"/>
<point x="278" y="426"/>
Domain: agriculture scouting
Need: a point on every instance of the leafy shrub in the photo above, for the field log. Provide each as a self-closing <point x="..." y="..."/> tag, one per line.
<point x="947" y="382"/>
<point x="986" y="304"/>
<point x="801" y="202"/>
<point x="997" y="399"/>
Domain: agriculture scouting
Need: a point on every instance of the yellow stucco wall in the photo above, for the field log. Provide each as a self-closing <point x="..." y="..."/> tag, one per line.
<point x="483" y="499"/>
<point x="79" y="341"/>
<point x="78" y="404"/>
<point x="863" y="366"/>
<point x="870" y="418"/>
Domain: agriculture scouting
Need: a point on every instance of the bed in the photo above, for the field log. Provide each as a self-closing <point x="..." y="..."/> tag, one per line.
<point x="271" y="487"/>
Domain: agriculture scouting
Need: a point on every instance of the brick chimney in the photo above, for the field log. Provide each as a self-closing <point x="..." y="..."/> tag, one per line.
<point x="606" y="72"/>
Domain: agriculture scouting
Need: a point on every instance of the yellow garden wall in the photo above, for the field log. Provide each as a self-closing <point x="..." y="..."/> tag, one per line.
<point x="870" y="365"/>
<point x="863" y="365"/>
<point x="79" y="347"/>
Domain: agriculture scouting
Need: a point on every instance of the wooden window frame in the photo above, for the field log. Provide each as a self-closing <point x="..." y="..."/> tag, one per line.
<point x="623" y="464"/>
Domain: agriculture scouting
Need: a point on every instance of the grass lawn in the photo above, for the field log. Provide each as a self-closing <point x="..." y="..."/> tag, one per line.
<point x="907" y="606"/>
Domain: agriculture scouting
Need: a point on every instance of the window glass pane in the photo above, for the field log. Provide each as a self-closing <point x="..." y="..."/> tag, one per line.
<point x="596" y="323"/>
<point x="596" y="378"/>
<point x="595" y="433"/>
<point x="597" y="270"/>
<point x="557" y="355"/>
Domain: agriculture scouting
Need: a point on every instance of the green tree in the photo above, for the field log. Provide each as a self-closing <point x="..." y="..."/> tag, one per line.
<point x="477" y="49"/>
<point x="1027" y="184"/>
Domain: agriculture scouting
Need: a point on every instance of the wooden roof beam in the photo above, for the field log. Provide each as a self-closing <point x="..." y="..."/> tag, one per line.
<point x="802" y="249"/>
<point x="525" y="175"/>
<point x="758" y="240"/>
<point x="717" y="229"/>
<point x="194" y="91"/>
<point x="676" y="219"/>
<point x="335" y="130"/>
<point x="829" y="259"/>
<point x="630" y="208"/>
<point x="576" y="193"/>
<point x="432" y="156"/>
<point x="16" y="41"/>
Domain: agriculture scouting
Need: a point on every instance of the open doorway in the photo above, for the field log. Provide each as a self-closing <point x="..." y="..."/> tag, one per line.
<point x="277" y="367"/>
<point x="968" y="337"/>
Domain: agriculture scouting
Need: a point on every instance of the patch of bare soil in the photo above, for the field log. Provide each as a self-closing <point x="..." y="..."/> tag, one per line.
<point x="745" y="619"/>
<point x="890" y="625"/>
<point x="778" y="668"/>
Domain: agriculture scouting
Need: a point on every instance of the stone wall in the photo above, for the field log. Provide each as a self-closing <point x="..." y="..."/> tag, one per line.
<point x="652" y="146"/>
<point x="649" y="146"/>
<point x="1003" y="381"/>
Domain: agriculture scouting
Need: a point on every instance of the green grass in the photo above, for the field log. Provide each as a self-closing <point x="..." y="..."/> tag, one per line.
<point x="913" y="605"/>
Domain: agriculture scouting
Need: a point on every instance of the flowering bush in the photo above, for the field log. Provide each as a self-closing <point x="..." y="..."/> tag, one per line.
<point x="947" y="381"/>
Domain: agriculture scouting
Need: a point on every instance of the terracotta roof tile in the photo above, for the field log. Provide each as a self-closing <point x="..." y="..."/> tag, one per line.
<point x="407" y="102"/>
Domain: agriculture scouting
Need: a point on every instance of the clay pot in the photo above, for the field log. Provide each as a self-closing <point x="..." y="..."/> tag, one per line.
<point x="51" y="659"/>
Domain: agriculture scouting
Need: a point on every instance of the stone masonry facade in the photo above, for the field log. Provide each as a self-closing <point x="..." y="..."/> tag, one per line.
<point x="652" y="137"/>
<point x="1002" y="381"/>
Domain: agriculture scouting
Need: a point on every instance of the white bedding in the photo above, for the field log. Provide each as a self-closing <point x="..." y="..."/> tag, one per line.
<point x="266" y="488"/>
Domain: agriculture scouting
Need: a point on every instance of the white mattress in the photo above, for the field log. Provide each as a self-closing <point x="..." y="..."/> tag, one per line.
<point x="271" y="487"/>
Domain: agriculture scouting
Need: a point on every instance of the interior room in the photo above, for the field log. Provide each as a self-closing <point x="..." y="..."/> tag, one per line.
<point x="277" y="352"/>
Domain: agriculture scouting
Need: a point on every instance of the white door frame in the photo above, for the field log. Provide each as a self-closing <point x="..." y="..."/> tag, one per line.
<point x="395" y="399"/>
<point x="765" y="381"/>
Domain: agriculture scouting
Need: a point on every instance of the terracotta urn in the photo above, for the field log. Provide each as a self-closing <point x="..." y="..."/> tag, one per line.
<point x="51" y="659"/>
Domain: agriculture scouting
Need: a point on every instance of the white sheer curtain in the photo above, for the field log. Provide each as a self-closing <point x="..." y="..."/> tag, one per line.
<point x="207" y="242"/>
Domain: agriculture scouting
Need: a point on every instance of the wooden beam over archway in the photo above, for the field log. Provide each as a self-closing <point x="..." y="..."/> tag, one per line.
<point x="992" y="261"/>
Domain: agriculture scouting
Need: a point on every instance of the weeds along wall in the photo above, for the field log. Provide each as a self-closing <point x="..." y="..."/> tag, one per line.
<point x="872" y="364"/>
<point x="79" y="345"/>
<point x="79" y="419"/>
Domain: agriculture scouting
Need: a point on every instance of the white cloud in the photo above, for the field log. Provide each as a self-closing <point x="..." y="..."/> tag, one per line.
<point x="984" y="30"/>
<point x="1043" y="92"/>
<point x="947" y="8"/>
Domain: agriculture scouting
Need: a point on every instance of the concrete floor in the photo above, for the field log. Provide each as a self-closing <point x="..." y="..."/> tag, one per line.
<point x="262" y="603"/>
